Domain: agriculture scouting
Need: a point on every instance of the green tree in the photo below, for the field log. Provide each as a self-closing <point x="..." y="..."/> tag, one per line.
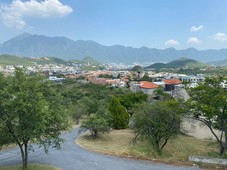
<point x="128" y="100"/>
<point x="208" y="104"/>
<point x="157" y="123"/>
<point x="78" y="110"/>
<point x="146" y="77"/>
<point x="161" y="94"/>
<point x="30" y="111"/>
<point x="91" y="104"/>
<point x="118" y="114"/>
<point x="95" y="124"/>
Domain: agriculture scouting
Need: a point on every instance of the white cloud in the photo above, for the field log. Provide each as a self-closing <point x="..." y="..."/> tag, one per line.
<point x="12" y="15"/>
<point x="172" y="42"/>
<point x="220" y="36"/>
<point x="195" y="29"/>
<point x="194" y="40"/>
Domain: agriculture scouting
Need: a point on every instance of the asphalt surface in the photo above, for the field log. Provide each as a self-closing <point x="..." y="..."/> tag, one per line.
<point x="73" y="157"/>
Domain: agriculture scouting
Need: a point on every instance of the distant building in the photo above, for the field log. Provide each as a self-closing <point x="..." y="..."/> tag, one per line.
<point x="55" y="79"/>
<point x="224" y="84"/>
<point x="171" y="84"/>
<point x="148" y="87"/>
<point x="193" y="80"/>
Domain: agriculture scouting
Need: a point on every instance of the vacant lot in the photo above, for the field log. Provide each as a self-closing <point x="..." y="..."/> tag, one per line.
<point x="119" y="142"/>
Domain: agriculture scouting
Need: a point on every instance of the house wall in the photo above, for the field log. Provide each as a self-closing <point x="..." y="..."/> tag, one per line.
<point x="197" y="129"/>
<point x="169" y="87"/>
<point x="135" y="87"/>
<point x="147" y="91"/>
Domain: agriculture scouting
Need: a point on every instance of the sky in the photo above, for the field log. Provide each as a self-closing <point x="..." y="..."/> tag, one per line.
<point x="181" y="24"/>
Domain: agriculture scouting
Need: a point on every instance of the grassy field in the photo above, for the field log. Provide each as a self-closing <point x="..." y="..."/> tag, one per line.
<point x="119" y="143"/>
<point x="30" y="167"/>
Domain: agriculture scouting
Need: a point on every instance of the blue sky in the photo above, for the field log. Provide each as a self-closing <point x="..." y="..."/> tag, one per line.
<point x="153" y="23"/>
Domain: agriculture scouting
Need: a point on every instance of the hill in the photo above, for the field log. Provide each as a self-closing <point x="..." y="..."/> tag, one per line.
<point x="27" y="61"/>
<point x="86" y="60"/>
<point x="180" y="63"/>
<point x="47" y="60"/>
<point x="29" y="45"/>
<point x="222" y="63"/>
<point x="14" y="60"/>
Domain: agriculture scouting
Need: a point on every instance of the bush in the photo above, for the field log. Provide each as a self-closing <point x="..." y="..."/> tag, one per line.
<point x="95" y="124"/>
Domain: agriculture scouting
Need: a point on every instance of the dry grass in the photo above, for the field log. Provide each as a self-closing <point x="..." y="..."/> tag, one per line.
<point x="10" y="146"/>
<point x="119" y="143"/>
<point x="30" y="167"/>
<point x="116" y="142"/>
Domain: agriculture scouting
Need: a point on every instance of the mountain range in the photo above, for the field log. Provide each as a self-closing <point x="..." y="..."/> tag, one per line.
<point x="28" y="45"/>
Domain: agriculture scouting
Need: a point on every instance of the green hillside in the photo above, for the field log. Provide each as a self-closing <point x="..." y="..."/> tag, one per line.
<point x="48" y="60"/>
<point x="180" y="63"/>
<point x="27" y="61"/>
<point x="90" y="60"/>
<point x="14" y="60"/>
<point x="86" y="60"/>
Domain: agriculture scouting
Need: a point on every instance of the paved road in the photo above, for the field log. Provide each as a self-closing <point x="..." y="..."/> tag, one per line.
<point x="73" y="157"/>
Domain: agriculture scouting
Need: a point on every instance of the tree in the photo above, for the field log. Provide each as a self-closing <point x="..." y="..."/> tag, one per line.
<point x="208" y="104"/>
<point x="160" y="93"/>
<point x="30" y="111"/>
<point x="136" y="71"/>
<point x="91" y="104"/>
<point x="78" y="110"/>
<point x="157" y="123"/>
<point x="118" y="114"/>
<point x="146" y="77"/>
<point x="128" y="100"/>
<point x="95" y="124"/>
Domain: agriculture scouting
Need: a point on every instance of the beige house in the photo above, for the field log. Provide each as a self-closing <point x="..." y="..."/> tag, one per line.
<point x="144" y="86"/>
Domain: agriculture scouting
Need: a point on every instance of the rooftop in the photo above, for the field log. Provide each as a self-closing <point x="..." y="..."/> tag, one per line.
<point x="148" y="85"/>
<point x="172" y="81"/>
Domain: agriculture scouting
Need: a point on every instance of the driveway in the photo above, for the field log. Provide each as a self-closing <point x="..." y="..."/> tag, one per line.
<point x="73" y="157"/>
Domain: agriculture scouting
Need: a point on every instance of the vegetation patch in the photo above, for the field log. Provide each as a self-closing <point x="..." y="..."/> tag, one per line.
<point x="14" y="60"/>
<point x="119" y="143"/>
<point x="30" y="167"/>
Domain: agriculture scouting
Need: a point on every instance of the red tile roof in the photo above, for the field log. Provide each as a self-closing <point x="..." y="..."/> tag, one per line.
<point x="148" y="85"/>
<point x="172" y="81"/>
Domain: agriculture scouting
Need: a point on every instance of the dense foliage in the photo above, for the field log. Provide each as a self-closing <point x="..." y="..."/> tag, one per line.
<point x="128" y="100"/>
<point x="30" y="111"/>
<point x="86" y="99"/>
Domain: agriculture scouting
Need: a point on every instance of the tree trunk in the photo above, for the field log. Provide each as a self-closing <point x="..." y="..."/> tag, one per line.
<point x="222" y="150"/>
<point x="26" y="155"/>
<point x="166" y="140"/>
<point x="23" y="156"/>
<point x="157" y="148"/>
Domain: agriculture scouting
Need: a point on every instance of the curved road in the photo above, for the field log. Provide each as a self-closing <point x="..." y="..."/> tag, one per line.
<point x="73" y="157"/>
